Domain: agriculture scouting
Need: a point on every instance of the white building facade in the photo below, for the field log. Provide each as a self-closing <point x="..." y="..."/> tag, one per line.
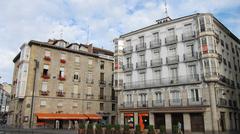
<point x="184" y="70"/>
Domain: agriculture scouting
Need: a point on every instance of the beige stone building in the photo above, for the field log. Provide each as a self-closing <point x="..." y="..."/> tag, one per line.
<point x="70" y="83"/>
<point x="184" y="70"/>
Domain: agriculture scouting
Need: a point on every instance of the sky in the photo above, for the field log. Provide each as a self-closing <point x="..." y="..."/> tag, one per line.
<point x="93" y="21"/>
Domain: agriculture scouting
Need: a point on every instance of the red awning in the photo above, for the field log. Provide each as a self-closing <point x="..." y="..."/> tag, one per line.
<point x="94" y="116"/>
<point x="54" y="116"/>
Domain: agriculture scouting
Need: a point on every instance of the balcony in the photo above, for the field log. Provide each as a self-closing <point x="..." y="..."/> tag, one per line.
<point x="158" y="103"/>
<point x="194" y="101"/>
<point x="141" y="65"/>
<point x="172" y="59"/>
<point x="222" y="102"/>
<point x="190" y="56"/>
<point x="47" y="58"/>
<point x="156" y="62"/>
<point x="89" y="96"/>
<point x="44" y="93"/>
<point x="187" y="36"/>
<point x="127" y="50"/>
<point x="142" y="104"/>
<point x="102" y="83"/>
<point x="155" y="43"/>
<point x="128" y="104"/>
<point x="89" y="81"/>
<point x="75" y="95"/>
<point x="128" y="67"/>
<point x="46" y="76"/>
<point x="175" y="102"/>
<point x="102" y="97"/>
<point x="169" y="40"/>
<point x="141" y="47"/>
<point x="60" y="93"/>
<point x="152" y="83"/>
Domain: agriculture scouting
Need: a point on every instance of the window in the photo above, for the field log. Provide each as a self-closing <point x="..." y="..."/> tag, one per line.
<point x="101" y="93"/>
<point x="102" y="65"/>
<point x="61" y="72"/>
<point x="76" y="76"/>
<point x="190" y="49"/>
<point x="128" y="78"/>
<point x="43" y="103"/>
<point x="89" y="105"/>
<point x="77" y="59"/>
<point x="202" y="24"/>
<point x="158" y="96"/>
<point x="172" y="51"/>
<point x="175" y="96"/>
<point x="47" y="53"/>
<point x="156" y="37"/>
<point x="90" y="61"/>
<point x="188" y="28"/>
<point x="75" y="89"/>
<point x="204" y="45"/>
<point x="44" y="86"/>
<point x="192" y="71"/>
<point x="174" y="75"/>
<point x="45" y="70"/>
<point x="129" y="98"/>
<point x="129" y="61"/>
<point x="60" y="87"/>
<point x="141" y="40"/>
<point x="142" y="77"/>
<point x="113" y="107"/>
<point x="194" y="95"/>
<point x="63" y="56"/>
<point x="157" y="74"/>
<point x="156" y="54"/>
<point x="89" y="76"/>
<point x="171" y="32"/>
<point x="89" y="90"/>
<point x="142" y="58"/>
<point x="101" y="106"/>
<point x="143" y="98"/>
<point x="101" y="76"/>
<point x="128" y="43"/>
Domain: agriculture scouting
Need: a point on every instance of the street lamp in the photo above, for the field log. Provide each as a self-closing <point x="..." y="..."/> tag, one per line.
<point x="33" y="92"/>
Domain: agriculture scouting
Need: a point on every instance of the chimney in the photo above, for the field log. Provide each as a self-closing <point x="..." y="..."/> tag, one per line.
<point x="90" y="48"/>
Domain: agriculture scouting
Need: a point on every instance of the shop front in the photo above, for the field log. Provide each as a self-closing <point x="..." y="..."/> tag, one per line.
<point x="129" y="119"/>
<point x="143" y="120"/>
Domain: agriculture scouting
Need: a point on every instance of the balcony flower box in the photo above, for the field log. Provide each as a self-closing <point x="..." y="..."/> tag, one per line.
<point x="62" y="61"/>
<point x="46" y="76"/>
<point x="44" y="93"/>
<point x="47" y="58"/>
<point x="61" y="78"/>
<point x="60" y="93"/>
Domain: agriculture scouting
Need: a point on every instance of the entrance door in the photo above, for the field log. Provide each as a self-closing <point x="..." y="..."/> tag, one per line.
<point x="197" y="123"/>
<point x="159" y="119"/>
<point x="177" y="117"/>
<point x="222" y="121"/>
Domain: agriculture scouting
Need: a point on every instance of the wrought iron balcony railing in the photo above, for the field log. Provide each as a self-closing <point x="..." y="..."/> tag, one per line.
<point x="141" y="47"/>
<point x="175" y="102"/>
<point x="158" y="103"/>
<point x="128" y="49"/>
<point x="190" y="56"/>
<point x="155" y="43"/>
<point x="194" y="101"/>
<point x="156" y="62"/>
<point x="186" y="79"/>
<point x="169" y="40"/>
<point x="141" y="65"/>
<point x="128" y="67"/>
<point x="172" y="59"/>
<point x="142" y="104"/>
<point x="128" y="104"/>
<point x="187" y="36"/>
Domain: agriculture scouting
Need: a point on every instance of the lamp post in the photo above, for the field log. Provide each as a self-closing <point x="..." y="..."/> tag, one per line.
<point x="33" y="92"/>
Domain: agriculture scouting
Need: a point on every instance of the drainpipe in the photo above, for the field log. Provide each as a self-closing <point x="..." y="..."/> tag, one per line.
<point x="33" y="92"/>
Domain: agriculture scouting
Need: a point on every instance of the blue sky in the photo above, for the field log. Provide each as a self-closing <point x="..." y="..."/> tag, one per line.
<point x="24" y="20"/>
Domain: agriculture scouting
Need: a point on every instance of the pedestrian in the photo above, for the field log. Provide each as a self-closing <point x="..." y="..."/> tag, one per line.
<point x="57" y="124"/>
<point x="94" y="127"/>
<point x="86" y="126"/>
<point x="179" y="128"/>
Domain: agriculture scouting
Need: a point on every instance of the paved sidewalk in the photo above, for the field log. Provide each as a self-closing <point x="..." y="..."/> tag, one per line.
<point x="36" y="131"/>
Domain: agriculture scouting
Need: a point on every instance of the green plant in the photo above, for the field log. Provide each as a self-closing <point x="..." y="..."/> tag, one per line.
<point x="150" y="129"/>
<point x="162" y="129"/>
<point x="81" y="126"/>
<point x="117" y="127"/>
<point x="126" y="127"/>
<point x="98" y="126"/>
<point x="109" y="126"/>
<point x="90" y="126"/>
<point x="175" y="129"/>
<point x="138" y="129"/>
